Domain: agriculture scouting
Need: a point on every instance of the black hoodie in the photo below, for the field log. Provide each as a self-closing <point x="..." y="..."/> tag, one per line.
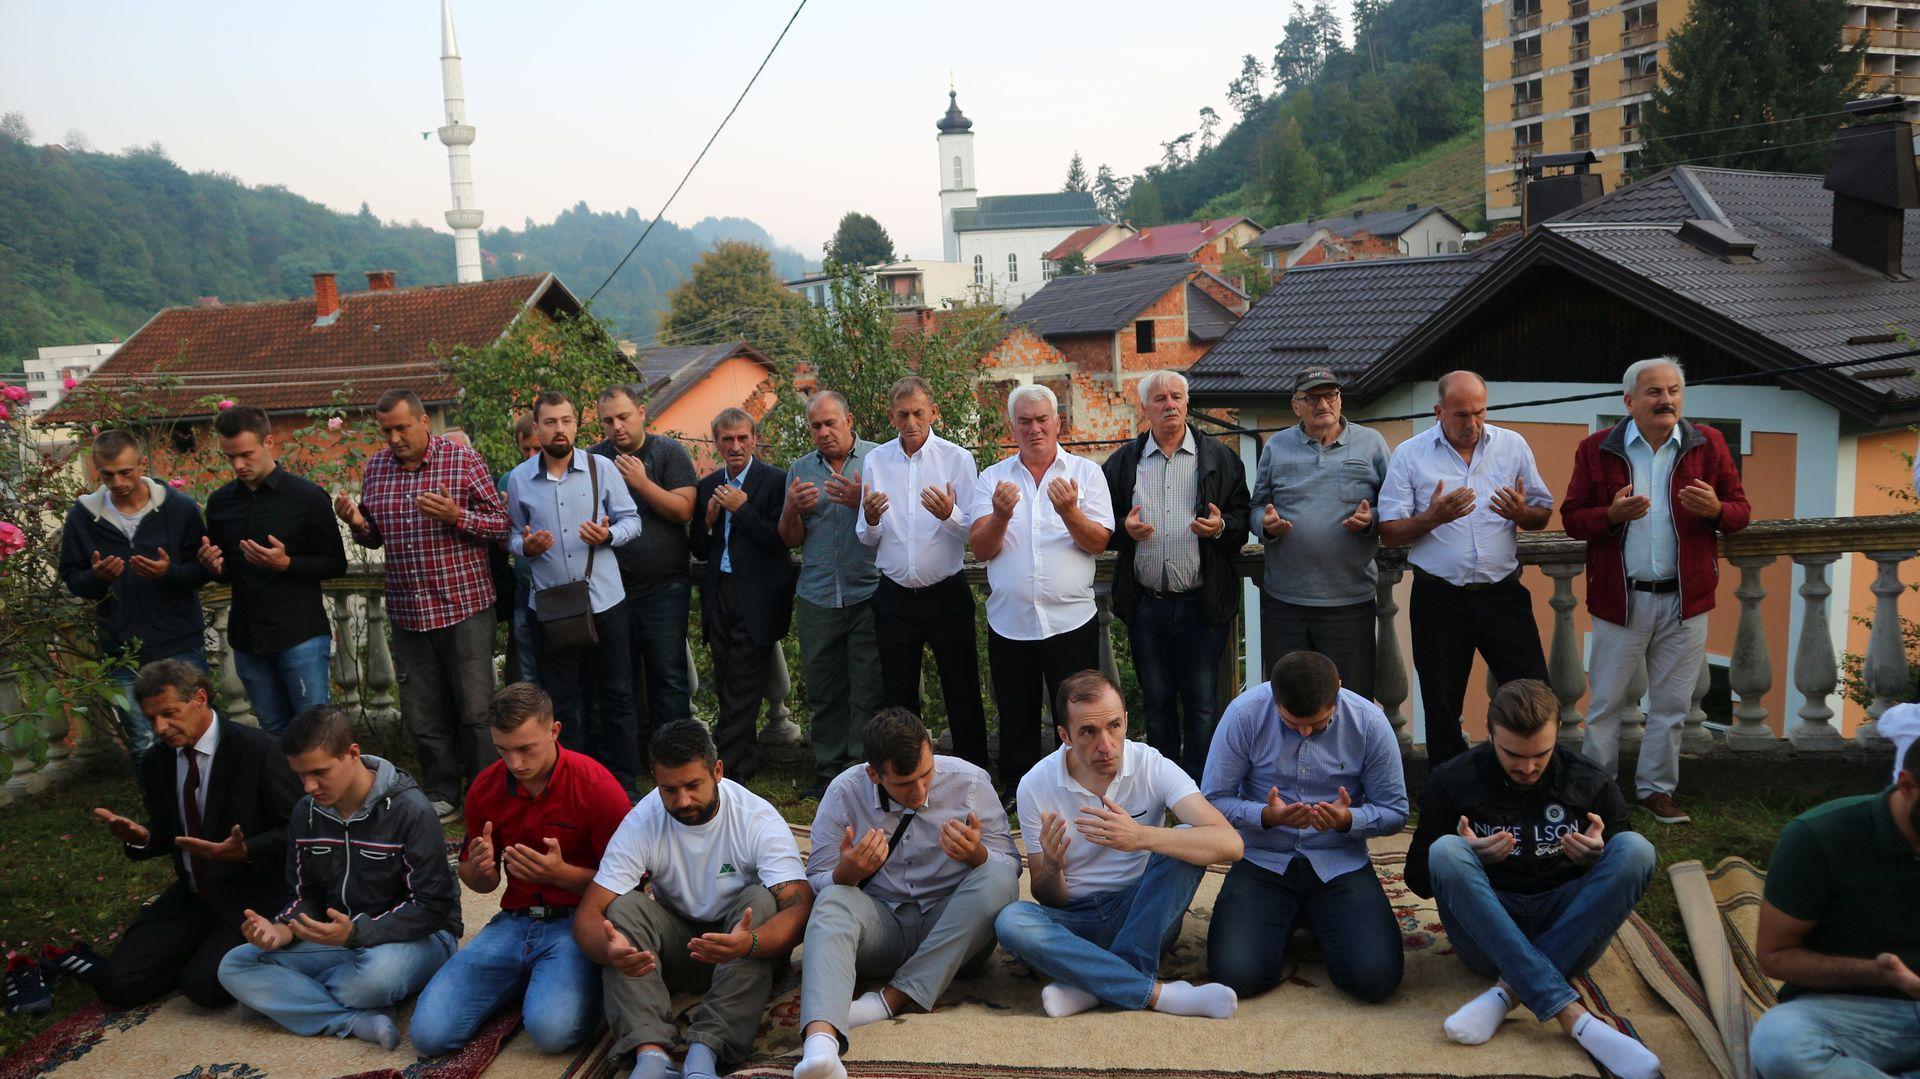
<point x="162" y="615"/>
<point x="1473" y="785"/>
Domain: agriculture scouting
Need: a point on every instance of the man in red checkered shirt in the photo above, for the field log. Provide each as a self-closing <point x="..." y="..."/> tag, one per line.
<point x="432" y="505"/>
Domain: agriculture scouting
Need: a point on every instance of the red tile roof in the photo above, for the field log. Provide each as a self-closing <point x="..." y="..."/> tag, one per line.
<point x="274" y="355"/>
<point x="1167" y="241"/>
<point x="1077" y="242"/>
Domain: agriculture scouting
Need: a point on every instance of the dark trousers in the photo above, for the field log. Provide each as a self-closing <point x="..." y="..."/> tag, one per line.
<point x="1176" y="655"/>
<point x="446" y="684"/>
<point x="1021" y="671"/>
<point x="175" y="942"/>
<point x="1343" y="634"/>
<point x="1449" y="624"/>
<point x="1254" y="917"/>
<point x="907" y="621"/>
<point x="607" y="731"/>
<point x="657" y="631"/>
<point x="740" y="669"/>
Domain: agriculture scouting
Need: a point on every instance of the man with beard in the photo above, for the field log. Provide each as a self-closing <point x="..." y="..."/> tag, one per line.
<point x="1841" y="927"/>
<point x="1529" y="855"/>
<point x="700" y="890"/>
<point x="566" y="504"/>
<point x="1651" y="495"/>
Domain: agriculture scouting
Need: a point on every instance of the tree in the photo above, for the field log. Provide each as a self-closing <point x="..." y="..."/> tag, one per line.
<point x="731" y="294"/>
<point x="1740" y="77"/>
<point x="77" y="141"/>
<point x="1177" y="151"/>
<point x="1243" y="93"/>
<point x="1073" y="265"/>
<point x="575" y="355"/>
<point x="1296" y="60"/>
<point x="1209" y="122"/>
<point x="13" y="125"/>
<point x="1076" y="174"/>
<point x="1109" y="193"/>
<point x="1327" y="33"/>
<point x="1143" y="204"/>
<point x="859" y="241"/>
<point x="1366" y="18"/>
<point x="1295" y="184"/>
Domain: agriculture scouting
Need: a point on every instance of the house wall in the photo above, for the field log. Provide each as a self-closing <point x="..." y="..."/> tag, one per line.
<point x="993" y="247"/>
<point x="737" y="383"/>
<point x="1431" y="235"/>
<point x="1881" y="481"/>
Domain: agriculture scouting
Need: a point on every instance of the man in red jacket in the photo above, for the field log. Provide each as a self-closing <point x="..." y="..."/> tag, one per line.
<point x="1651" y="496"/>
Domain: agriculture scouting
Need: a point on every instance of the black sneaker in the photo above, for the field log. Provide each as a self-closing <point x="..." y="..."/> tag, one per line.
<point x="26" y="989"/>
<point x="75" y="961"/>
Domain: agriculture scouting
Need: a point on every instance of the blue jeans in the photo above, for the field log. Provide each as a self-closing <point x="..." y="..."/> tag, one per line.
<point x="1108" y="944"/>
<point x="1176" y="655"/>
<point x="513" y="956"/>
<point x="657" y="633"/>
<point x="320" y="989"/>
<point x="1256" y="913"/>
<point x="1537" y="942"/>
<point x="1838" y="1036"/>
<point x="132" y="719"/>
<point x="282" y="685"/>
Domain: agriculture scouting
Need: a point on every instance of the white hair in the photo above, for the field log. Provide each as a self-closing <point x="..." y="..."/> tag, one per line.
<point x="1031" y="389"/>
<point x="1150" y="384"/>
<point x="1631" y="380"/>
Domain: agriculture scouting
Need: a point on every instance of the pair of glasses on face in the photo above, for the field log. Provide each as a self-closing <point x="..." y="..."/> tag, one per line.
<point x="1318" y="399"/>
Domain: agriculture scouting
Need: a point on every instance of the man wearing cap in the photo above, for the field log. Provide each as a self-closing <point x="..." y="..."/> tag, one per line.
<point x="1313" y="504"/>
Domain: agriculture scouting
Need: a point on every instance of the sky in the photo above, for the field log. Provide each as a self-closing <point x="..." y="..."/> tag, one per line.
<point x="607" y="103"/>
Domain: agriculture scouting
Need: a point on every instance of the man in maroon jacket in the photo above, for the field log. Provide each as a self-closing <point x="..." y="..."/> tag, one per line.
<point x="1651" y="496"/>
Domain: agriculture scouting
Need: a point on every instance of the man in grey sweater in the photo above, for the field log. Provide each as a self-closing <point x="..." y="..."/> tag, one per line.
<point x="1313" y="510"/>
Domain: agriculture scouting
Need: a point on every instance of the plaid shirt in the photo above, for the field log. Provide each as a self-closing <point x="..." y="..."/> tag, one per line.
<point x="437" y="574"/>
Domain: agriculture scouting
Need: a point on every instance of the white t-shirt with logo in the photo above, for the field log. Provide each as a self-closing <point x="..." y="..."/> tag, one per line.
<point x="1148" y="786"/>
<point x="700" y="870"/>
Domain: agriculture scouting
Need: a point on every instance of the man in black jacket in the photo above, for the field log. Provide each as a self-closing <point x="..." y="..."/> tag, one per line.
<point x="131" y="545"/>
<point x="217" y="800"/>
<point x="375" y="909"/>
<point x="1182" y="500"/>
<point x="746" y="596"/>
<point x="1529" y="855"/>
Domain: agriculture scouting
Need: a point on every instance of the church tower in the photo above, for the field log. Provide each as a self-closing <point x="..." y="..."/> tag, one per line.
<point x="956" y="173"/>
<point x="457" y="135"/>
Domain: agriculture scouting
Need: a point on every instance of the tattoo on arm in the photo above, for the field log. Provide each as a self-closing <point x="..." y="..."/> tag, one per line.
<point x="787" y="894"/>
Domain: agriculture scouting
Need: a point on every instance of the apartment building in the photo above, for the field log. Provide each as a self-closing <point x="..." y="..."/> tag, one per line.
<point x="1569" y="75"/>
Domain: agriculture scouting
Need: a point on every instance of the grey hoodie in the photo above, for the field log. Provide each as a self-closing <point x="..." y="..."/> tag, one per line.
<point x="385" y="867"/>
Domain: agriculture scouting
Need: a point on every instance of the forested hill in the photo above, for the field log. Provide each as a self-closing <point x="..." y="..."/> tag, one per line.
<point x="92" y="244"/>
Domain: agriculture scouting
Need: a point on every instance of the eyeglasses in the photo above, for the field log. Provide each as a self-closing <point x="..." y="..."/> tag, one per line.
<point x="1316" y="399"/>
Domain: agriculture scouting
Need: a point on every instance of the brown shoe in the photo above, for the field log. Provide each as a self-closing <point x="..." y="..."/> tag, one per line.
<point x="1665" y="809"/>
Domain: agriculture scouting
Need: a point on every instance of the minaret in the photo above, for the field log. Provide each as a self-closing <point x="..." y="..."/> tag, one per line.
<point x="457" y="135"/>
<point x="956" y="173"/>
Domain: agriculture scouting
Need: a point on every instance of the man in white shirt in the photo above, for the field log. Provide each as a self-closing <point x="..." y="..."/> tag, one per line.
<point x="1039" y="518"/>
<point x="912" y="861"/>
<point x="1458" y="495"/>
<point x="701" y="888"/>
<point x="915" y="515"/>
<point x="1111" y="884"/>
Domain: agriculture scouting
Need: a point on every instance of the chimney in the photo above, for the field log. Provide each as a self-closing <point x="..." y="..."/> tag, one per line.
<point x="326" y="299"/>
<point x="207" y="301"/>
<point x="1411" y="206"/>
<point x="1871" y="175"/>
<point x="381" y="280"/>
<point x="1543" y="196"/>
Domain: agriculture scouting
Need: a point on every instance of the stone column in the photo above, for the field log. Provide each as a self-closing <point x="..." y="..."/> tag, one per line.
<point x="1885" y="669"/>
<point x="1751" y="675"/>
<point x="1389" y="670"/>
<point x="1814" y="671"/>
<point x="780" y="730"/>
<point x="1566" y="671"/>
<point x="345" y="666"/>
<point x="1694" y="737"/>
<point x="380" y="706"/>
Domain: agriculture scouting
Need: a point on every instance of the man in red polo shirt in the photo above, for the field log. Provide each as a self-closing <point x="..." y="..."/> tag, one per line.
<point x="538" y="818"/>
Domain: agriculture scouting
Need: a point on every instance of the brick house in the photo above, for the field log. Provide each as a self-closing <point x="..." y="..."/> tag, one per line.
<point x="1388" y="234"/>
<point x="687" y="386"/>
<point x="1206" y="243"/>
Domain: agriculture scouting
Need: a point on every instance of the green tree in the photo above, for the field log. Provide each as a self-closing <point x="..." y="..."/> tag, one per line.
<point x="1745" y="80"/>
<point x="1297" y="59"/>
<point x="859" y="240"/>
<point x="1244" y="93"/>
<point x="1209" y="123"/>
<point x="574" y="355"/>
<point x="13" y="125"/>
<point x="1144" y="209"/>
<point x="1296" y="187"/>
<point x="1073" y="265"/>
<point x="1109" y="193"/>
<point x="731" y="294"/>
<point x="1076" y="174"/>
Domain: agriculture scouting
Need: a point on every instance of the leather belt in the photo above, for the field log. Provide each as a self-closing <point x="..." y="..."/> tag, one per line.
<point x="1670" y="585"/>
<point x="543" y="913"/>
<point x="1157" y="593"/>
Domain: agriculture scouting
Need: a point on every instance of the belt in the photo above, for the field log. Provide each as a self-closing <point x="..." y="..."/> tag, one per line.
<point x="1669" y="585"/>
<point x="543" y="913"/>
<point x="1156" y="593"/>
<point x="945" y="582"/>
<point x="1477" y="586"/>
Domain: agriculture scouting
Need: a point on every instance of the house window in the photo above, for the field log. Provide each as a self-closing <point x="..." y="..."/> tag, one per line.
<point x="1013" y="269"/>
<point x="959" y="173"/>
<point x="1143" y="335"/>
<point x="979" y="270"/>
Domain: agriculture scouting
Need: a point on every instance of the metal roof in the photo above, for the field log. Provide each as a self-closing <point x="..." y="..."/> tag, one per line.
<point x="1053" y="210"/>
<point x="1176" y="241"/>
<point x="1098" y="303"/>
<point x="1386" y="223"/>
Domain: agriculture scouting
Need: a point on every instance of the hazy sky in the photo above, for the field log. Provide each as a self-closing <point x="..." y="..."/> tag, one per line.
<point x="608" y="102"/>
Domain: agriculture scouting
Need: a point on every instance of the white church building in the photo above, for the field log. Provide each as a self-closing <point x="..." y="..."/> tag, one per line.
<point x="1001" y="238"/>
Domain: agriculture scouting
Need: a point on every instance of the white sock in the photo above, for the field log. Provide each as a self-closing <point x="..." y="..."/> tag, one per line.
<point x="1213" y="1000"/>
<point x="820" y="1058"/>
<point x="1622" y="1054"/>
<point x="1059" y="1000"/>
<point x="652" y="1064"/>
<point x="868" y="1008"/>
<point x="1480" y="1018"/>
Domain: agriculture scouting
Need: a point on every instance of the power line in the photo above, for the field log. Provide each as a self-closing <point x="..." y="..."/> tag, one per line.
<point x="703" y="151"/>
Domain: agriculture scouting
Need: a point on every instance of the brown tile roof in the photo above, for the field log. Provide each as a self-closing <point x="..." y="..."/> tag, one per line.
<point x="273" y="355"/>
<point x="1077" y="241"/>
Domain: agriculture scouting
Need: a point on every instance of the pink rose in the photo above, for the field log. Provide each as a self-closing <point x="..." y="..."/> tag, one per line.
<point x="12" y="540"/>
<point x="14" y="393"/>
<point x="226" y="403"/>
<point x="70" y="382"/>
<point x="176" y="483"/>
<point x="335" y="423"/>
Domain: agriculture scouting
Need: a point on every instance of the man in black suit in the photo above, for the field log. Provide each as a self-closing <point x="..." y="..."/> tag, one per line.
<point x="218" y="798"/>
<point x="747" y="593"/>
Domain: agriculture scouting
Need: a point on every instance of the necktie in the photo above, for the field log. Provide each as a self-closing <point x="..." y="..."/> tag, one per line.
<point x="190" y="809"/>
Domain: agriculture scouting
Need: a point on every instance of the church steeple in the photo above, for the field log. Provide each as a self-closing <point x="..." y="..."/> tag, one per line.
<point x="956" y="173"/>
<point x="954" y="122"/>
<point x="456" y="134"/>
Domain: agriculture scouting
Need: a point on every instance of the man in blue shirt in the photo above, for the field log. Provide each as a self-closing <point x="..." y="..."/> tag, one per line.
<point x="1307" y="772"/>
<point x="562" y="514"/>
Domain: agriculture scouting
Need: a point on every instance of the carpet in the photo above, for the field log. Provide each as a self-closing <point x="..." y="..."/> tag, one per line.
<point x="1720" y="908"/>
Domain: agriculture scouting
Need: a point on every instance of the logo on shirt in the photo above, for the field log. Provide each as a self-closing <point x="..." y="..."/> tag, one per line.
<point x="725" y="868"/>
<point x="1555" y="813"/>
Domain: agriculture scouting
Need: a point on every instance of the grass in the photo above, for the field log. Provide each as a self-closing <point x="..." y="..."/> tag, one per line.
<point x="1723" y="826"/>
<point x="1449" y="175"/>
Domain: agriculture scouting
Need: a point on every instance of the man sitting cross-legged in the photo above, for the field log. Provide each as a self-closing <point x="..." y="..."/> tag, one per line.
<point x="1112" y="899"/>
<point x="1307" y="771"/>
<point x="539" y="818"/>
<point x="1530" y="858"/>
<point x="1841" y="926"/>
<point x="911" y="860"/>
<point x="375" y="908"/>
<point x="700" y="889"/>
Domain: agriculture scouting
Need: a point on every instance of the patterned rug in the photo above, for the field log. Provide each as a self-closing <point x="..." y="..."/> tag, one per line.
<point x="1720" y="908"/>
